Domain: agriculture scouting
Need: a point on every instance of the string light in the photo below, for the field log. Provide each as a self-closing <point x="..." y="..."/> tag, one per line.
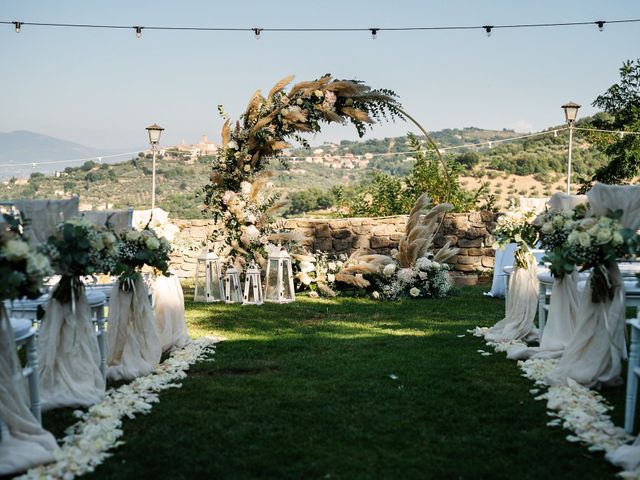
<point x="138" y="31"/>
<point x="374" y="33"/>
<point x="555" y="133"/>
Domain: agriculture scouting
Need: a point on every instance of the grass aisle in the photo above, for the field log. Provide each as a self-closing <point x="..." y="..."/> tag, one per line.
<point x="305" y="391"/>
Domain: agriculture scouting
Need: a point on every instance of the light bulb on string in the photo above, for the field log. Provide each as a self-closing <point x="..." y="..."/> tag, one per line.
<point x="488" y="28"/>
<point x="138" y="31"/>
<point x="374" y="33"/>
<point x="600" y="24"/>
<point x="555" y="133"/>
<point x="257" y="32"/>
<point x="18" y="26"/>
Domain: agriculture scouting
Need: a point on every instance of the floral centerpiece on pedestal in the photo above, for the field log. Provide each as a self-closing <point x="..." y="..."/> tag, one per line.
<point x="235" y="195"/>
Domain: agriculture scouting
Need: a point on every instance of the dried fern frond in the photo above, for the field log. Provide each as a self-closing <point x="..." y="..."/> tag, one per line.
<point x="279" y="145"/>
<point x="329" y="115"/>
<point x="226" y="134"/>
<point x="362" y="268"/>
<point x="418" y="209"/>
<point x="324" y="288"/>
<point x="260" y="260"/>
<point x="301" y="257"/>
<point x="345" y="88"/>
<point x="303" y="87"/>
<point x="304" y="278"/>
<point x="294" y="116"/>
<point x="435" y="212"/>
<point x="260" y="181"/>
<point x="359" y="282"/>
<point x="235" y="246"/>
<point x="356" y="114"/>
<point x="445" y="253"/>
<point x="276" y="206"/>
<point x="278" y="87"/>
<point x="252" y="108"/>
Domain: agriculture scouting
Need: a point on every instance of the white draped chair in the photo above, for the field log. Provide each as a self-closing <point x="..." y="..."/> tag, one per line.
<point x="168" y="309"/>
<point x="23" y="441"/>
<point x="595" y="352"/>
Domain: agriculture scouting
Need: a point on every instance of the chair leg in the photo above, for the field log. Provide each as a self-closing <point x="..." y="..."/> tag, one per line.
<point x="102" y="341"/>
<point x="34" y="380"/>
<point x="632" y="382"/>
<point x="542" y="302"/>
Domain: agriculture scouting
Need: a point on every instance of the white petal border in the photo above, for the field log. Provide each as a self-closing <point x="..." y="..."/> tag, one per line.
<point x="86" y="444"/>
<point x="579" y="409"/>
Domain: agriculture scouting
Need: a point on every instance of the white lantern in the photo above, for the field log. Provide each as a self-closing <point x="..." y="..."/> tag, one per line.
<point x="209" y="286"/>
<point x="279" y="279"/>
<point x="252" y="286"/>
<point x="232" y="291"/>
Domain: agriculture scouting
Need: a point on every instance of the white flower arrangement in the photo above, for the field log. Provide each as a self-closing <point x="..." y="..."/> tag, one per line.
<point x="426" y="278"/>
<point x="87" y="443"/>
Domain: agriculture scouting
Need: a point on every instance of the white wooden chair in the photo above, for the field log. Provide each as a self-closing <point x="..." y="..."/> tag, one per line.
<point x="25" y="336"/>
<point x="632" y="295"/>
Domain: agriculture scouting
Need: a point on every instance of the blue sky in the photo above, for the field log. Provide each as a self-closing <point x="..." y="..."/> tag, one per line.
<point x="102" y="87"/>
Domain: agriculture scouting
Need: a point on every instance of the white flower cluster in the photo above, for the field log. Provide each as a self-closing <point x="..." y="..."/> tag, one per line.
<point x="426" y="278"/>
<point x="556" y="227"/>
<point x="87" y="443"/>
<point x="22" y="269"/>
<point x="514" y="226"/>
<point x="596" y="231"/>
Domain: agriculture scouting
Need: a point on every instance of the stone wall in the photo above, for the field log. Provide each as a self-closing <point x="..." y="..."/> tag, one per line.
<point x="467" y="231"/>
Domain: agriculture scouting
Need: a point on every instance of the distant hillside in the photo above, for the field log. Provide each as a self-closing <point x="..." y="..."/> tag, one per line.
<point x="25" y="147"/>
<point x="532" y="167"/>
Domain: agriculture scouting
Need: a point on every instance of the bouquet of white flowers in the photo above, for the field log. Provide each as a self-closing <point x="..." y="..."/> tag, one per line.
<point x="138" y="248"/>
<point x="595" y="243"/>
<point x="79" y="248"/>
<point x="22" y="267"/>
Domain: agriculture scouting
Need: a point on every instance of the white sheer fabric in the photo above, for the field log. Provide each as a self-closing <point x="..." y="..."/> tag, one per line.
<point x="595" y="352"/>
<point x="563" y="201"/>
<point x="24" y="443"/>
<point x="69" y="356"/>
<point x="627" y="457"/>
<point x="504" y="257"/>
<point x="44" y="215"/>
<point x="613" y="197"/>
<point x="119" y="220"/>
<point x="522" y="303"/>
<point x="168" y="309"/>
<point x="536" y="204"/>
<point x="133" y="344"/>
<point x="160" y="222"/>
<point x="561" y="321"/>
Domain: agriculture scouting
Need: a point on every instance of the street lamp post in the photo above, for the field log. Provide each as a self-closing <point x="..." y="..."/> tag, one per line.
<point x="570" y="114"/>
<point x="154" y="139"/>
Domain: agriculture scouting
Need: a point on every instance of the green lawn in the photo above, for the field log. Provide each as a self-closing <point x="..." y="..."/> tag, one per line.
<point x="305" y="391"/>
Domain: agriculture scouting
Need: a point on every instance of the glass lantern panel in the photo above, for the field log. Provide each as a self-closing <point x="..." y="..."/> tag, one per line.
<point x="216" y="293"/>
<point x="199" y="293"/>
<point x="272" y="280"/>
<point x="287" y="294"/>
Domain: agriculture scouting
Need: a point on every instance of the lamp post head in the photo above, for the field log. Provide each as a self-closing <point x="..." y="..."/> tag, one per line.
<point x="570" y="112"/>
<point x="154" y="133"/>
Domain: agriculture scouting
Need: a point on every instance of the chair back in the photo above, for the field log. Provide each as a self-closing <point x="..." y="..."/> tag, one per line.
<point x="119" y="221"/>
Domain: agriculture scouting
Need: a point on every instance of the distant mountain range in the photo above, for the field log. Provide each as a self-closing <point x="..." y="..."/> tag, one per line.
<point x="20" y="149"/>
